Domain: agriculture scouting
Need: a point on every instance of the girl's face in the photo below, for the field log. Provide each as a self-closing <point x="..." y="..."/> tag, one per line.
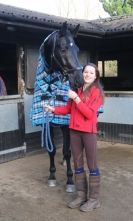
<point x="89" y="75"/>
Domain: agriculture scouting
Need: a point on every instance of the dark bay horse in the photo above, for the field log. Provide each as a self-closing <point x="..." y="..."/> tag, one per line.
<point x="58" y="70"/>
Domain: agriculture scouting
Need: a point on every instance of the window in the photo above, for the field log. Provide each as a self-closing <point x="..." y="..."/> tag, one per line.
<point x="108" y="68"/>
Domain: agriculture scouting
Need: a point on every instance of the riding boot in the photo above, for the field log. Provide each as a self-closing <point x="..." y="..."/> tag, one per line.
<point x="81" y="187"/>
<point x="93" y="201"/>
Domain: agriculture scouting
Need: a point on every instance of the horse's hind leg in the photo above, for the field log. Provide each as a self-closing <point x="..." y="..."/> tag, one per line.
<point x="52" y="168"/>
<point x="67" y="156"/>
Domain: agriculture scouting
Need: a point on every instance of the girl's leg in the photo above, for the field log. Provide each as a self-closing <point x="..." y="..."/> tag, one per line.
<point x="90" y="143"/>
<point x="80" y="176"/>
<point x="77" y="148"/>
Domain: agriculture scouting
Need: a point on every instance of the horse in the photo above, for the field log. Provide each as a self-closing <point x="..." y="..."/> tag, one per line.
<point x="58" y="70"/>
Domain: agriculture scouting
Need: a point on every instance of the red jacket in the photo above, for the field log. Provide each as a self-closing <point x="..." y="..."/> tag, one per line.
<point x="84" y="114"/>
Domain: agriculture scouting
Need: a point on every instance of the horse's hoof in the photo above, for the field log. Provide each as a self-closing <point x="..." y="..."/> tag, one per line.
<point x="51" y="183"/>
<point x="70" y="188"/>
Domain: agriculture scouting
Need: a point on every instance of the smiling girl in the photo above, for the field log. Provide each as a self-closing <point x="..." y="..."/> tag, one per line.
<point x="83" y="107"/>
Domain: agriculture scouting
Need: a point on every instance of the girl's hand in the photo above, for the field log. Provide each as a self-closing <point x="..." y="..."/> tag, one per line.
<point x="49" y="108"/>
<point x="72" y="94"/>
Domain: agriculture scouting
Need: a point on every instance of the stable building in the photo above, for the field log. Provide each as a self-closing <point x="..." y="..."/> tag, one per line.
<point x="107" y="42"/>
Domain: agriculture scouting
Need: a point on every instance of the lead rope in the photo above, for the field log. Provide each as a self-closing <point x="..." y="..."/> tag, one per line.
<point x="48" y="141"/>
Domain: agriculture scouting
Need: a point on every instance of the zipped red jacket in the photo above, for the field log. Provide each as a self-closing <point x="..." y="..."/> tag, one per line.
<point x="84" y="114"/>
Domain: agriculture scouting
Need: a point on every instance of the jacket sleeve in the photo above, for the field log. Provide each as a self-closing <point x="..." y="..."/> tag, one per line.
<point x="91" y="108"/>
<point x="64" y="109"/>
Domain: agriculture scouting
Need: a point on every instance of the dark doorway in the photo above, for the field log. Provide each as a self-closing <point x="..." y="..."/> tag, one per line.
<point x="8" y="67"/>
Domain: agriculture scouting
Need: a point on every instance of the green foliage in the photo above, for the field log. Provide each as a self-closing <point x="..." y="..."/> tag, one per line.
<point x="118" y="7"/>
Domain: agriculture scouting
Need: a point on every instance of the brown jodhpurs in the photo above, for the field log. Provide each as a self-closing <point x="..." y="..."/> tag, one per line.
<point x="87" y="198"/>
<point x="80" y="142"/>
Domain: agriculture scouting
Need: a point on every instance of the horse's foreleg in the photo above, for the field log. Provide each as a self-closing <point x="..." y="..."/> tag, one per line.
<point x="67" y="156"/>
<point x="52" y="168"/>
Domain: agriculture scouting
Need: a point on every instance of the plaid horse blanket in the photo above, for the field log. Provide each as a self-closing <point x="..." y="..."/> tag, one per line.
<point x="48" y="89"/>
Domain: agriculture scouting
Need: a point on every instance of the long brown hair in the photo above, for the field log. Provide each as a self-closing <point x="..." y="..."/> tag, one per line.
<point x="96" y="82"/>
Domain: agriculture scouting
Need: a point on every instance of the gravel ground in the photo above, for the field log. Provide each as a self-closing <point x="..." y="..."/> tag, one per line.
<point x="25" y="196"/>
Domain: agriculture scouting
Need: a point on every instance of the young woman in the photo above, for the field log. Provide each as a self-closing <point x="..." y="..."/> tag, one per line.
<point x="83" y="107"/>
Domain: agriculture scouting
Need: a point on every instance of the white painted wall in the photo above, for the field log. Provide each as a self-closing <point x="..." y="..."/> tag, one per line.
<point x="117" y="110"/>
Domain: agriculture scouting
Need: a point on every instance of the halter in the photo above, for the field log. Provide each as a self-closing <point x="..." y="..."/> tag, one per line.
<point x="53" y="57"/>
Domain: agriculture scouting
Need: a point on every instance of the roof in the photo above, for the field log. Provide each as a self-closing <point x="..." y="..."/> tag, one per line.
<point x="116" y="24"/>
<point x="100" y="27"/>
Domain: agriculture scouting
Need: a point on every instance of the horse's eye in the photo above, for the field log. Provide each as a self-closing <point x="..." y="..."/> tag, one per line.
<point x="71" y="44"/>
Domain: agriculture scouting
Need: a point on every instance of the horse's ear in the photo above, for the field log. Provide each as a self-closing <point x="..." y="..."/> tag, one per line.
<point x="63" y="28"/>
<point x="75" y="31"/>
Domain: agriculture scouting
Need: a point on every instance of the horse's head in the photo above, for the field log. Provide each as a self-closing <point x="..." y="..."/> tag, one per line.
<point x="61" y="54"/>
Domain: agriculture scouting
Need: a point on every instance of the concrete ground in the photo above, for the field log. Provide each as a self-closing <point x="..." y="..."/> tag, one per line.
<point x="25" y="196"/>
